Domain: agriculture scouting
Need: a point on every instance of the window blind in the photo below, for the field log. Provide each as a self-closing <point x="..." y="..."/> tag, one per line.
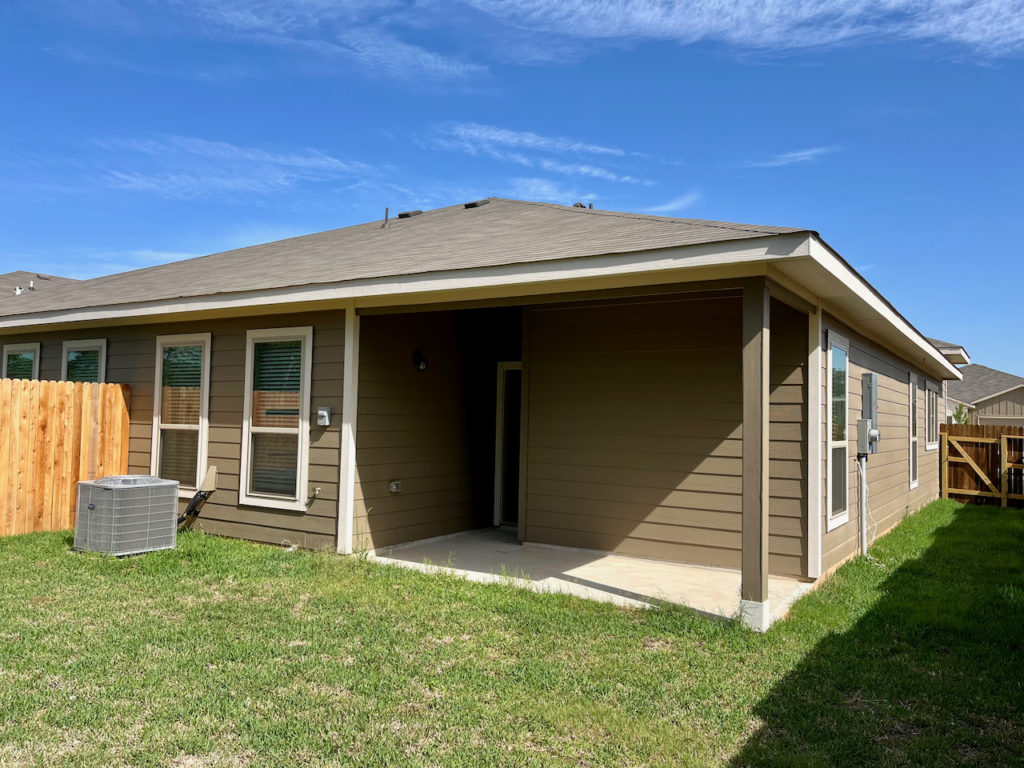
<point x="83" y="365"/>
<point x="20" y="365"/>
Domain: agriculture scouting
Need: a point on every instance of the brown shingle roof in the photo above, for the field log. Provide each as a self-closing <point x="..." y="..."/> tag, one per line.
<point x="981" y="382"/>
<point x="940" y="345"/>
<point x="501" y="232"/>
<point x="11" y="280"/>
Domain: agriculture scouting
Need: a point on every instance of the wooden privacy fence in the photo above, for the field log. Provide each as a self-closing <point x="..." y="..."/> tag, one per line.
<point x="53" y="434"/>
<point x="983" y="464"/>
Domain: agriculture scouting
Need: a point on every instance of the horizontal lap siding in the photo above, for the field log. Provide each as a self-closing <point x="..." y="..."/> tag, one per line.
<point x="131" y="359"/>
<point x="413" y="426"/>
<point x="890" y="497"/>
<point x="787" y="450"/>
<point x="634" y="435"/>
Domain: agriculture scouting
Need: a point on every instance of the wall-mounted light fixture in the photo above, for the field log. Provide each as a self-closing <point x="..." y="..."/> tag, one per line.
<point x="419" y="360"/>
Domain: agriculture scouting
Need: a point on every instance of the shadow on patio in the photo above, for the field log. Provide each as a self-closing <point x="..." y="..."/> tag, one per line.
<point x="932" y="674"/>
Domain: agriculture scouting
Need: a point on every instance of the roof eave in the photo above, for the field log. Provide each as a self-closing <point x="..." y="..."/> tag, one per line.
<point x="999" y="394"/>
<point x="868" y="308"/>
<point x="523" y="279"/>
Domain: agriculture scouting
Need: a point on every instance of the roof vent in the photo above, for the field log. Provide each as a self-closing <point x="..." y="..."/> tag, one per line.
<point x="578" y="205"/>
<point x="409" y="214"/>
<point x="476" y="203"/>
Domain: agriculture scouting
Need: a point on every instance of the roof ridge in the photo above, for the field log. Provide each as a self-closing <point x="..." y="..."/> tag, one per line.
<point x="446" y="238"/>
<point x="712" y="223"/>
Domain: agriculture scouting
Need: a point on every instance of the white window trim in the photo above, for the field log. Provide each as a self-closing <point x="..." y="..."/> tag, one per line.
<point x="305" y="335"/>
<point x="912" y="436"/>
<point x="17" y="349"/>
<point x="931" y="411"/>
<point x="183" y="340"/>
<point x="81" y="345"/>
<point x="834" y="521"/>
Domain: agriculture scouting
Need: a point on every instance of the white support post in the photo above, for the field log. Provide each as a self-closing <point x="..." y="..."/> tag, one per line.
<point x="349" y="405"/>
<point x="814" y="419"/>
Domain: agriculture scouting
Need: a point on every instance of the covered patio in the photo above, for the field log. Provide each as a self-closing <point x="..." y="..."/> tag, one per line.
<point x="495" y="555"/>
<point x="661" y="446"/>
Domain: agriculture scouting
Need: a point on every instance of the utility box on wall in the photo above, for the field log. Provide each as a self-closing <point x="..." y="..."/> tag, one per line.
<point x="867" y="441"/>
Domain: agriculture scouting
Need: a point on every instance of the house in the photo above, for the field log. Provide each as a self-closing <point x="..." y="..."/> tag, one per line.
<point x="957" y="355"/>
<point x="990" y="396"/>
<point x="22" y="362"/>
<point x="17" y="283"/>
<point x="679" y="390"/>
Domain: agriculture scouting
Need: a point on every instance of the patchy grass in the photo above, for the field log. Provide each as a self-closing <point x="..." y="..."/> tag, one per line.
<point x="225" y="653"/>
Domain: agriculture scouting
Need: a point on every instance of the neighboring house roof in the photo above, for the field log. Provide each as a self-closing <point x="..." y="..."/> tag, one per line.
<point x="490" y="248"/>
<point x="981" y="383"/>
<point x="953" y="352"/>
<point x="30" y="282"/>
<point x="499" y="233"/>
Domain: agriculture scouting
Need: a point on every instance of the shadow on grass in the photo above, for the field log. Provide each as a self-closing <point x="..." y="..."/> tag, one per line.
<point x="931" y="674"/>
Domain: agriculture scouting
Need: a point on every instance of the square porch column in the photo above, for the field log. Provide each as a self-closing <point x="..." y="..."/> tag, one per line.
<point x="347" y="453"/>
<point x="754" y="609"/>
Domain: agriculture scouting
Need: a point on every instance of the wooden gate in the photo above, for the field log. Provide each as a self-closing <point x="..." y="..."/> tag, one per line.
<point x="983" y="464"/>
<point x="53" y="434"/>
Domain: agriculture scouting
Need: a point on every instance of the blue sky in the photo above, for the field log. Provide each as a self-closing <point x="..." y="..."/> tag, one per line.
<point x="133" y="133"/>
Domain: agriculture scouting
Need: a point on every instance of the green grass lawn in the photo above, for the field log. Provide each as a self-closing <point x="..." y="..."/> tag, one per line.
<point x="229" y="653"/>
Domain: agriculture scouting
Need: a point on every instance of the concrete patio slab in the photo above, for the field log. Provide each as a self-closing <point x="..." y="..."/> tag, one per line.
<point x="495" y="555"/>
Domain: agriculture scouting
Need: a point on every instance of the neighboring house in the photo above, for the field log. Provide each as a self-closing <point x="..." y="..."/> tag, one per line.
<point x="17" y="283"/>
<point x="674" y="389"/>
<point x="957" y="355"/>
<point x="22" y="361"/>
<point x="991" y="396"/>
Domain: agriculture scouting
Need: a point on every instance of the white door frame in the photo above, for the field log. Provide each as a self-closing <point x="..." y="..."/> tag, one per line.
<point x="499" y="435"/>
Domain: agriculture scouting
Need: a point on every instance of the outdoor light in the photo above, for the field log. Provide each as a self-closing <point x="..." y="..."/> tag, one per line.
<point x="419" y="360"/>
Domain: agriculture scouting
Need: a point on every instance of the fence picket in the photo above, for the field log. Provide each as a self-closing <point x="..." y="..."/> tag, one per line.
<point x="53" y="434"/>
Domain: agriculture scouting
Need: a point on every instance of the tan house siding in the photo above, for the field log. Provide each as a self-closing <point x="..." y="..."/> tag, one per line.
<point x="1007" y="408"/>
<point x="131" y="359"/>
<point x="890" y="497"/>
<point x="412" y="426"/>
<point x="634" y="437"/>
<point x="787" y="450"/>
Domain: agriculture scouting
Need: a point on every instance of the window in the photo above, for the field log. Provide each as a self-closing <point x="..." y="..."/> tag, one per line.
<point x="181" y="409"/>
<point x="931" y="423"/>
<point x="84" y="361"/>
<point x="913" y="433"/>
<point x="21" y="361"/>
<point x="838" y="482"/>
<point x="275" y="427"/>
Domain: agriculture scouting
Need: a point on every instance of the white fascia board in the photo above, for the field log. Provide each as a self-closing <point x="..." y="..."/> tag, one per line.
<point x="837" y="267"/>
<point x="510" y="280"/>
<point x="956" y="355"/>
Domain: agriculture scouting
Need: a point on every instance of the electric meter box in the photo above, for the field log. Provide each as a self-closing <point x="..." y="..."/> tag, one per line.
<point x="867" y="441"/>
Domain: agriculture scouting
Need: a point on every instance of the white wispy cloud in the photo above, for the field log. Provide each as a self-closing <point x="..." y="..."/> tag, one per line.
<point x="546" y="190"/>
<point x="357" y="31"/>
<point x="207" y="72"/>
<point x="527" y="148"/>
<point x="676" y="204"/>
<point x="792" y="158"/>
<point x="477" y="137"/>
<point x="186" y="167"/>
<point x="992" y="26"/>
<point x="85" y="263"/>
